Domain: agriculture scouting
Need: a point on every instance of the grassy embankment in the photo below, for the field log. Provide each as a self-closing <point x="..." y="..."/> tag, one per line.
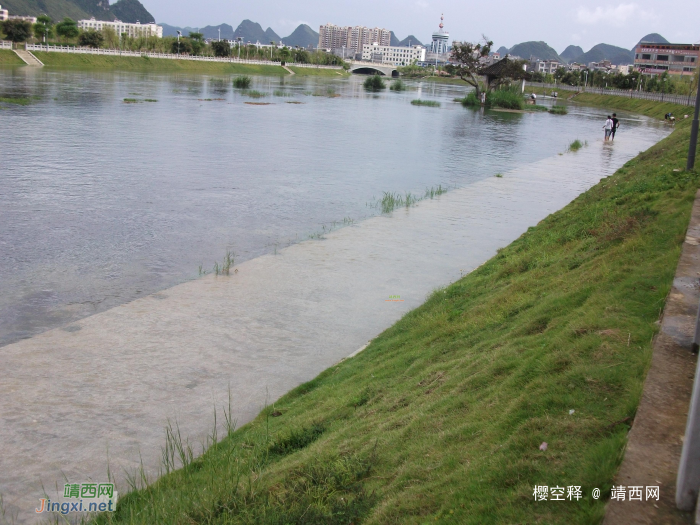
<point x="75" y="61"/>
<point x="319" y="72"/>
<point x="9" y="58"/>
<point x="442" y="416"/>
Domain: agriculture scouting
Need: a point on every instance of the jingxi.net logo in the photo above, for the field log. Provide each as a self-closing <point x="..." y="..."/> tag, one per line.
<point x="82" y="497"/>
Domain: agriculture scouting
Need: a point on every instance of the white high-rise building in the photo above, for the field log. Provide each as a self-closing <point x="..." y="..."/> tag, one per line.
<point x="394" y="55"/>
<point x="132" y="30"/>
<point x="352" y="39"/>
<point x="440" y="43"/>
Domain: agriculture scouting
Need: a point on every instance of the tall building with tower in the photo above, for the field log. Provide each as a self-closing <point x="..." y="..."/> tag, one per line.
<point x="440" y="44"/>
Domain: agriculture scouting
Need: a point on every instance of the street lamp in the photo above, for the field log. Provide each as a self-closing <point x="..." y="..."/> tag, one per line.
<point x="219" y="34"/>
<point x="239" y="47"/>
<point x="179" y="34"/>
<point x="272" y="44"/>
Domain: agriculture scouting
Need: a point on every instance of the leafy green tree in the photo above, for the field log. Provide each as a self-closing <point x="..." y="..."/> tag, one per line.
<point x="67" y="28"/>
<point x="183" y="47"/>
<point x="17" y="30"/>
<point x="284" y="55"/>
<point x="468" y="58"/>
<point x="91" y="38"/>
<point x="301" y="56"/>
<point x="43" y="29"/>
<point x="197" y="43"/>
<point x="221" y="48"/>
<point x="111" y="38"/>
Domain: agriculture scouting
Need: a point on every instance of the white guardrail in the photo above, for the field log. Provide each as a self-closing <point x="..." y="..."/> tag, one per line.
<point x="170" y="56"/>
<point x="685" y="100"/>
<point x="5" y="44"/>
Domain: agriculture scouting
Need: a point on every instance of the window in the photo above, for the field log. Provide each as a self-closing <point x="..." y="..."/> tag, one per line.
<point x="662" y="57"/>
<point x="678" y="58"/>
<point x="646" y="57"/>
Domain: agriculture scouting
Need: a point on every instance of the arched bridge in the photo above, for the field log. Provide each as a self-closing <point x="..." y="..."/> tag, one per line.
<point x="371" y="68"/>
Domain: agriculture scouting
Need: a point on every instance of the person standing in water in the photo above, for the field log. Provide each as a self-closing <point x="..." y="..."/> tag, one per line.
<point x="616" y="124"/>
<point x="608" y="128"/>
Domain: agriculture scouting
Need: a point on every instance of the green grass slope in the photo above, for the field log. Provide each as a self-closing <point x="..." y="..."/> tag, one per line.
<point x="441" y="418"/>
<point x="77" y="61"/>
<point x="9" y="58"/>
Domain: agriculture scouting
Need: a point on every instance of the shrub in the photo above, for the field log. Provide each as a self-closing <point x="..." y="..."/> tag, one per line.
<point x="242" y="82"/>
<point x="374" y="83"/>
<point x="469" y="101"/>
<point x="507" y="98"/>
<point x="398" y="85"/>
<point x="221" y="48"/>
<point x="91" y="38"/>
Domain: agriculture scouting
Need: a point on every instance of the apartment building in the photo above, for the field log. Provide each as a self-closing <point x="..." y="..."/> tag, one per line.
<point x="674" y="59"/>
<point x="352" y="39"/>
<point x="545" y="66"/>
<point x="4" y="14"/>
<point x="394" y="55"/>
<point x="119" y="27"/>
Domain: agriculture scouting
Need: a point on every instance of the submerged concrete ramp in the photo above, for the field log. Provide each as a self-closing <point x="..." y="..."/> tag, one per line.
<point x="28" y="58"/>
<point x="103" y="388"/>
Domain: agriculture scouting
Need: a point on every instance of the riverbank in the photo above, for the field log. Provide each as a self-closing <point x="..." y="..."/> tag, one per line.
<point x="85" y="61"/>
<point x="444" y="415"/>
<point x="9" y="58"/>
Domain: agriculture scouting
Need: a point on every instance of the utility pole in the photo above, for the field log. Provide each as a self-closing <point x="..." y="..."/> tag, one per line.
<point x="694" y="133"/>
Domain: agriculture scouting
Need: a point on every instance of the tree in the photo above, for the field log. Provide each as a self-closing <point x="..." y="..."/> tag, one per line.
<point x="17" y="30"/>
<point x="284" y="54"/>
<point x="196" y="42"/>
<point x="111" y="37"/>
<point x="468" y="58"/>
<point x="183" y="47"/>
<point x="67" y="28"/>
<point x="43" y="29"/>
<point x="374" y="83"/>
<point x="91" y="38"/>
<point x="503" y="72"/>
<point x="221" y="48"/>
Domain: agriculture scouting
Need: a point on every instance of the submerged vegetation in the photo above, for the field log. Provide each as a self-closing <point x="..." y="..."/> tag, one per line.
<point x="374" y="83"/>
<point x="242" y="82"/>
<point x="220" y="269"/>
<point x="577" y="145"/>
<point x="558" y="110"/>
<point x="429" y="103"/>
<point x="393" y="200"/>
<point x="398" y="85"/>
<point x="506" y="98"/>
<point x="20" y="101"/>
<point x="253" y="93"/>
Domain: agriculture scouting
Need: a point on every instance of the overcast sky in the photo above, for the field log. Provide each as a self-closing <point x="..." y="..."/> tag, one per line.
<point x="506" y="22"/>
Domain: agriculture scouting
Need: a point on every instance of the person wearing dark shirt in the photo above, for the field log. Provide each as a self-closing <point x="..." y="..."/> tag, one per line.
<point x="616" y="124"/>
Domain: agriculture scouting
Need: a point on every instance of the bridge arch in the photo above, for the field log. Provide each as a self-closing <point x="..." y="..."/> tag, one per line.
<point x="374" y="69"/>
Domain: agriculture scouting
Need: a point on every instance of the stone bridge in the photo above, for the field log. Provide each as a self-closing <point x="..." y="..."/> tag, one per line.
<point x="372" y="68"/>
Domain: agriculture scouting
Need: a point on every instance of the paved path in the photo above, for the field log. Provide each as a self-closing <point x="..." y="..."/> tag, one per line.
<point x="656" y="439"/>
<point x="28" y="58"/>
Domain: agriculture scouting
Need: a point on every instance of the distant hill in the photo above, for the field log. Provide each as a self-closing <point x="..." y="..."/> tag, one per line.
<point x="302" y="36"/>
<point x="252" y="32"/>
<point x="616" y="55"/>
<point x="410" y="40"/>
<point x="503" y="50"/>
<point x="125" y="10"/>
<point x="393" y="41"/>
<point x="535" y="50"/>
<point x="655" y="38"/>
<point x="571" y="52"/>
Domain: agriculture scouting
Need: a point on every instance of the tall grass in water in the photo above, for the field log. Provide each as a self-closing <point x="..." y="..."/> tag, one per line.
<point x="242" y="82"/>
<point x="470" y="100"/>
<point x="282" y="93"/>
<point x="374" y="83"/>
<point x="398" y="85"/>
<point x="254" y="93"/>
<point x="577" y="145"/>
<point x="221" y="269"/>
<point x="506" y="98"/>
<point x="558" y="110"/>
<point x="392" y="200"/>
<point x="429" y="103"/>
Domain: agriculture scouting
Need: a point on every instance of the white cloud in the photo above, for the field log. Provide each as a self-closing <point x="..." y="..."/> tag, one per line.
<point x="612" y="15"/>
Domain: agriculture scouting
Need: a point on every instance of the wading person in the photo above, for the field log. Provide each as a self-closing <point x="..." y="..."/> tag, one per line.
<point x="608" y="128"/>
<point x="616" y="124"/>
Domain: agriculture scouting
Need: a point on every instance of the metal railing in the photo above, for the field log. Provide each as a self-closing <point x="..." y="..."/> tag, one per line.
<point x="684" y="100"/>
<point x="169" y="56"/>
